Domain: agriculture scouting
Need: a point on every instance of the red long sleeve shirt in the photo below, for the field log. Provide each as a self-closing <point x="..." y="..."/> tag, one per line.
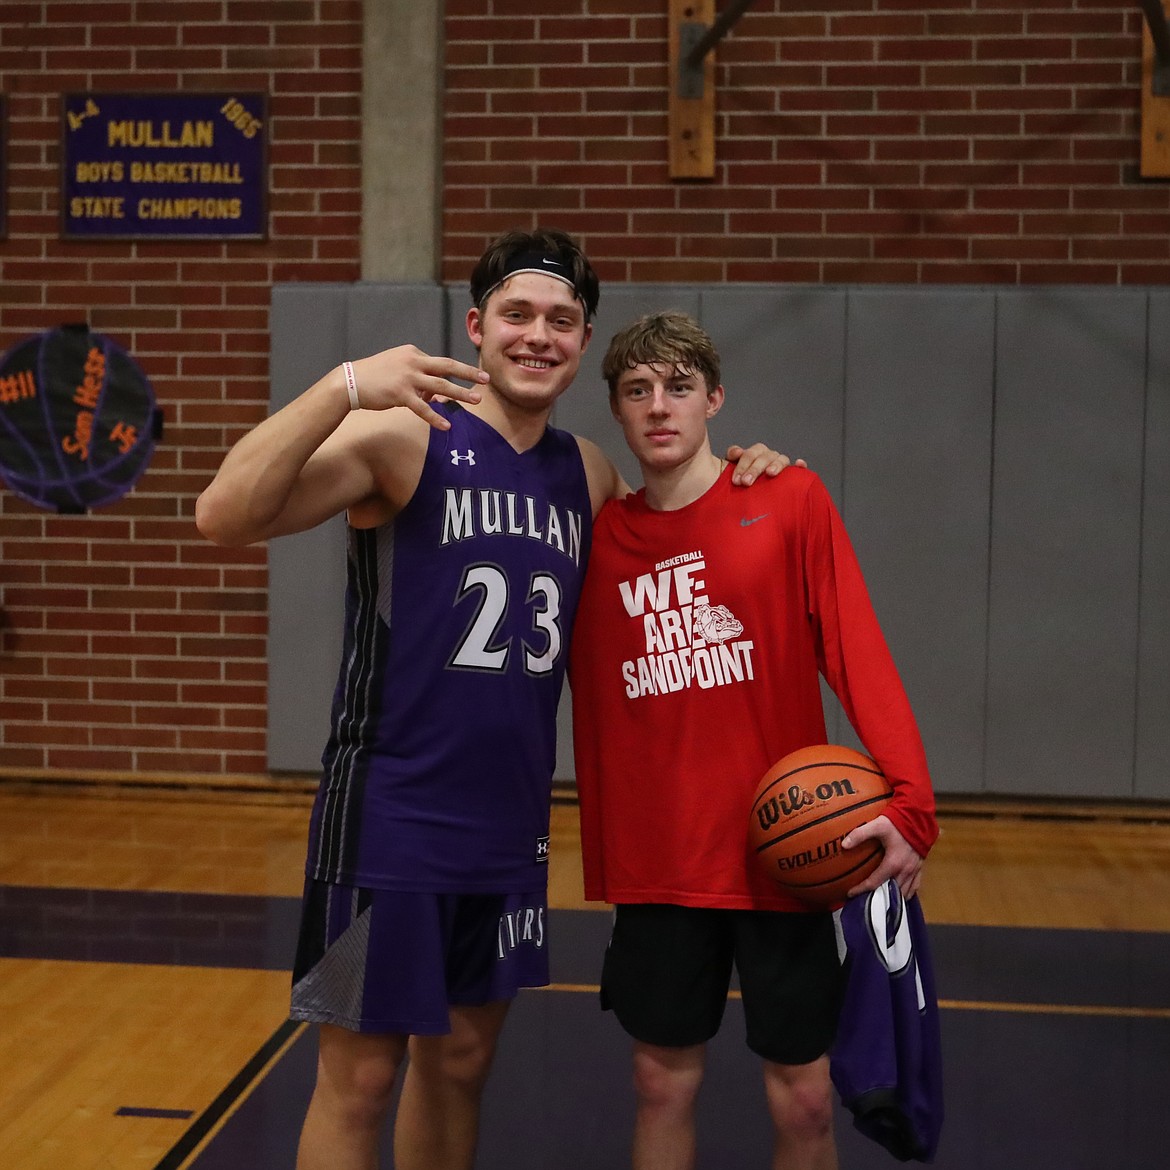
<point x="696" y="652"/>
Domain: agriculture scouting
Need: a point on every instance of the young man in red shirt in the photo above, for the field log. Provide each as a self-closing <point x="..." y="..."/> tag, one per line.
<point x="706" y="618"/>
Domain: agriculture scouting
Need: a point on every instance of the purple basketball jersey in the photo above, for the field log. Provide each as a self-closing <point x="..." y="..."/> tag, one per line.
<point x="886" y="1062"/>
<point x="458" y="613"/>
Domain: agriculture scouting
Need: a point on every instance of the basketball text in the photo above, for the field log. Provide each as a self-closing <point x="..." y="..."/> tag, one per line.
<point x="520" y="926"/>
<point x="17" y="386"/>
<point x="809" y="857"/>
<point x="471" y="511"/>
<point x="688" y="640"/>
<point x="86" y="396"/>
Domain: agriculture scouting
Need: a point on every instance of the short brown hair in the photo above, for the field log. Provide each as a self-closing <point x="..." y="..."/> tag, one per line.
<point x="670" y="338"/>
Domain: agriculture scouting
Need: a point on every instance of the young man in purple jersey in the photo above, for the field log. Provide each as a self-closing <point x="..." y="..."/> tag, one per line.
<point x="469" y="520"/>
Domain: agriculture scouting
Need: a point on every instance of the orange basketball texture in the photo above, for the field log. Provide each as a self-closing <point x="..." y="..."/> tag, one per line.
<point x="803" y="806"/>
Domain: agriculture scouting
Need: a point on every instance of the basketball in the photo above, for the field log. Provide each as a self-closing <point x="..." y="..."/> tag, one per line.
<point x="803" y="806"/>
<point x="79" y="420"/>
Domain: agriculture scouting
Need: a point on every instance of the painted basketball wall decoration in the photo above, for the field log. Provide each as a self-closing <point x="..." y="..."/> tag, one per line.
<point x="78" y="420"/>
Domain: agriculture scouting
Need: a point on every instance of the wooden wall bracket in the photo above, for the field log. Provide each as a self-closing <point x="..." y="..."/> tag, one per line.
<point x="1155" y="160"/>
<point x="694" y="33"/>
<point x="692" y="92"/>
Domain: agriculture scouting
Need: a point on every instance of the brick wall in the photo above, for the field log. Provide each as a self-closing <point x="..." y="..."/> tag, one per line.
<point x="129" y="642"/>
<point x="857" y="140"/>
<point x="910" y="141"/>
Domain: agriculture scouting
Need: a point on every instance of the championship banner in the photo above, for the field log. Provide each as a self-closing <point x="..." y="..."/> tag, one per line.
<point x="78" y="420"/>
<point x="150" y="165"/>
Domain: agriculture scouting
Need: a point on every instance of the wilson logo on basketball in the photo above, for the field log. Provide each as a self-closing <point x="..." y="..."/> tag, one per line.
<point x="796" y="799"/>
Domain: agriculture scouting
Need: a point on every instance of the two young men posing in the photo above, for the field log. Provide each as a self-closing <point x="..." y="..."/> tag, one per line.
<point x="470" y="524"/>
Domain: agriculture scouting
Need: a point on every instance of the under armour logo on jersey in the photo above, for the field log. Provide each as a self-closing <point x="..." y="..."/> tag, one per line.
<point x="541" y="850"/>
<point x="469" y="458"/>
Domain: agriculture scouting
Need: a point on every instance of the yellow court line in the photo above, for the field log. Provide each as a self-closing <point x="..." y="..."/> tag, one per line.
<point x="1057" y="1009"/>
<point x="969" y="1005"/>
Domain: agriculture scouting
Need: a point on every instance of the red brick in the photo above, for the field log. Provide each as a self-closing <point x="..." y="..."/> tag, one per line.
<point x="1157" y="224"/>
<point x="490" y="77"/>
<point x="1021" y="198"/>
<point x="829" y="53"/>
<point x="773" y="223"/>
<point x="674" y="271"/>
<point x="62" y="689"/>
<point x="25" y="712"/>
<point x="1143" y="249"/>
<point x="1078" y="175"/>
<point x="1110" y="48"/>
<point x="823" y="247"/>
<point x="1045" y="98"/>
<point x="722" y="247"/>
<point x="1019" y="249"/>
<point x="578" y="127"/>
<point x="255" y="670"/>
<point x="584" y="77"/>
<point x="971" y="124"/>
<point x="134" y="737"/>
<point x="775" y="271"/>
<point x="223" y="740"/>
<point x="31" y="759"/>
<point x="920" y="248"/>
<point x="957" y="273"/>
<point x="55" y="733"/>
<point x="1145" y="273"/>
<point x="215" y="695"/>
<point x="925" y="101"/>
<point x="243" y="762"/>
<point x="1068" y="273"/>
<point x="869" y="272"/>
<point x="820" y="98"/>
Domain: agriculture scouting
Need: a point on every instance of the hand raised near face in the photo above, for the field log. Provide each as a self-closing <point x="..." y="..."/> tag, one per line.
<point x="406" y="376"/>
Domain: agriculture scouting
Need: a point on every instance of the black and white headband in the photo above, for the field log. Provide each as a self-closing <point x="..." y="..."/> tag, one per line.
<point x="541" y="263"/>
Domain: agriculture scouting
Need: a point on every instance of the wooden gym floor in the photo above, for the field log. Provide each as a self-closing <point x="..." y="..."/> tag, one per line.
<point x="146" y="932"/>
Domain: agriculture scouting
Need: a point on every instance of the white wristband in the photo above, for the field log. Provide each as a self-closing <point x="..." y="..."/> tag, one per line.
<point x="351" y="386"/>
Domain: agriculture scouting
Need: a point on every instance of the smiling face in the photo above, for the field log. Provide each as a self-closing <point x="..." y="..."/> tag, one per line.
<point x="530" y="333"/>
<point x="663" y="410"/>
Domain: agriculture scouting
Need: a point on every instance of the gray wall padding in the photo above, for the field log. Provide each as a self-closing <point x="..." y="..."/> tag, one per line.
<point x="917" y="500"/>
<point x="1065" y="552"/>
<point x="314" y="328"/>
<point x="1153" y="697"/>
<point x="306" y="572"/>
<point x="999" y="455"/>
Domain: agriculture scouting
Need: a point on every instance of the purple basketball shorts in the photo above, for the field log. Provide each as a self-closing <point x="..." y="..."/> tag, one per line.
<point x="393" y="960"/>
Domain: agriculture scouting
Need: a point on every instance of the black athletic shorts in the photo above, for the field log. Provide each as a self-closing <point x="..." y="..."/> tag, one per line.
<point x="668" y="969"/>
